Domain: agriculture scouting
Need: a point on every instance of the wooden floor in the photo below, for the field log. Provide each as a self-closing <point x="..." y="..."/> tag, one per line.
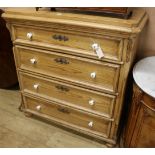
<point x="16" y="130"/>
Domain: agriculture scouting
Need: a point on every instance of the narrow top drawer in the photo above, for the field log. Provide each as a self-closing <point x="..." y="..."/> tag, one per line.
<point x="70" y="41"/>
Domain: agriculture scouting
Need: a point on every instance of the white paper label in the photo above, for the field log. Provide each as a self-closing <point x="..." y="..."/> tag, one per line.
<point x="98" y="50"/>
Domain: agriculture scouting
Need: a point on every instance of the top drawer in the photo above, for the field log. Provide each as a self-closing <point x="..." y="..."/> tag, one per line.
<point x="70" y="41"/>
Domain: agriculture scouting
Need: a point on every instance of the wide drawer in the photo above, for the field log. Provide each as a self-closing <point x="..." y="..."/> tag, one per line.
<point x="77" y="43"/>
<point x="69" y="116"/>
<point x="99" y="75"/>
<point x="84" y="99"/>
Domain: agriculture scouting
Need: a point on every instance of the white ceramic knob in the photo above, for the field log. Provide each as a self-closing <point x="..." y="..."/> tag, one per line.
<point x="90" y="124"/>
<point x="91" y="102"/>
<point x="38" y="108"/>
<point x="33" y="61"/>
<point x="95" y="46"/>
<point x="93" y="75"/>
<point x="29" y="35"/>
<point x="35" y="86"/>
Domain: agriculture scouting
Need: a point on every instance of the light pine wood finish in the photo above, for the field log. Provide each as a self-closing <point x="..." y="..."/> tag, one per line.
<point x="73" y="117"/>
<point x="46" y="63"/>
<point x="81" y="42"/>
<point x="117" y="39"/>
<point x="27" y="15"/>
<point x="73" y="96"/>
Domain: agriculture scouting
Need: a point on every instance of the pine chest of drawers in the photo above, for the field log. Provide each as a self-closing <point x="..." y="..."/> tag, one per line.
<point x="61" y="74"/>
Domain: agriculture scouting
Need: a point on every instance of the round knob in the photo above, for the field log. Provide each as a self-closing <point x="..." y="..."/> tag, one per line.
<point x="90" y="124"/>
<point x="93" y="75"/>
<point x="95" y="46"/>
<point x="35" y="86"/>
<point x="29" y="35"/>
<point x="33" y="61"/>
<point x="91" y="102"/>
<point x="38" y="108"/>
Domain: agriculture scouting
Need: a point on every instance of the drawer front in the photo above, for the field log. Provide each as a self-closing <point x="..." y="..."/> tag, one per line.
<point x="98" y="103"/>
<point x="70" y="116"/>
<point x="111" y="47"/>
<point x="96" y="74"/>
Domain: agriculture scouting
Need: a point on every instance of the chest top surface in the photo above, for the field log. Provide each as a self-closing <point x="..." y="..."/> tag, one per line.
<point x="144" y="75"/>
<point x="131" y="25"/>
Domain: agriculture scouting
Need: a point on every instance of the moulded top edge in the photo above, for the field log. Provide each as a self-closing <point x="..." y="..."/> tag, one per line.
<point x="78" y="19"/>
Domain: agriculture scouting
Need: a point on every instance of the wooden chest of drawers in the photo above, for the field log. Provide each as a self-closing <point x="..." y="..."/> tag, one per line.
<point x="60" y="73"/>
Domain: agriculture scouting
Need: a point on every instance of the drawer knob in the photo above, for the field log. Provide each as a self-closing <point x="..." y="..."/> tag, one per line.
<point x="91" y="102"/>
<point x="95" y="46"/>
<point x="93" y="75"/>
<point x="33" y="61"/>
<point x="38" y="108"/>
<point x="35" y="86"/>
<point x="29" y="35"/>
<point x="90" y="124"/>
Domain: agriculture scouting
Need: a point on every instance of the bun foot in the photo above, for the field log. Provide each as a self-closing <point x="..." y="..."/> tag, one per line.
<point x="27" y="114"/>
